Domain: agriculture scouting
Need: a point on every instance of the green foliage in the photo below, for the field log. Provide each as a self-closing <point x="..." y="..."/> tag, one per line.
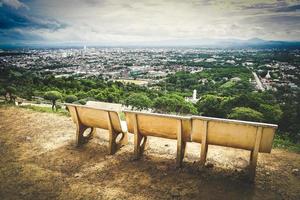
<point x="53" y="96"/>
<point x="250" y="100"/>
<point x="289" y="122"/>
<point x="11" y="90"/>
<point x="70" y="98"/>
<point x="81" y="95"/>
<point x="210" y="80"/>
<point x="218" y="94"/>
<point x="188" y="108"/>
<point x="244" y="113"/>
<point x="272" y="114"/>
<point x="228" y="84"/>
<point x="210" y="105"/>
<point x="173" y="103"/>
<point x="80" y="101"/>
<point x="285" y="142"/>
<point x="2" y="92"/>
<point x="138" y="101"/>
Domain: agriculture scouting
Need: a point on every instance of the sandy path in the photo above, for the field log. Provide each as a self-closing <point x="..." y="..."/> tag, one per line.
<point x="39" y="161"/>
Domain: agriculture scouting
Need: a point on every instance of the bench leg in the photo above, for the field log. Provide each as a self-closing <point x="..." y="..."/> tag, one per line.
<point x="204" y="145"/>
<point x="180" y="153"/>
<point x="140" y="141"/>
<point x="80" y="138"/>
<point x="114" y="146"/>
<point x="181" y="144"/>
<point x="204" y="149"/>
<point x="139" y="145"/>
<point x="254" y="154"/>
<point x="253" y="164"/>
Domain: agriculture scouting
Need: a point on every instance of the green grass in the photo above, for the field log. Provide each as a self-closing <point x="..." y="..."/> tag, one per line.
<point x="46" y="110"/>
<point x="285" y="143"/>
<point x="228" y="84"/>
<point x="122" y="116"/>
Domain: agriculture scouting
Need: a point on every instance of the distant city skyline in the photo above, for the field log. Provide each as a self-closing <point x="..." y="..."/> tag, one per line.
<point x="146" y="22"/>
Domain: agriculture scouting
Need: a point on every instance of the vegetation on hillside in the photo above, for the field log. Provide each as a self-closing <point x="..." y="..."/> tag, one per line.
<point x="222" y="92"/>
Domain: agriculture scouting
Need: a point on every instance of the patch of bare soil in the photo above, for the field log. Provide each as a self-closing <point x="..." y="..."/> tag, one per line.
<point x="38" y="160"/>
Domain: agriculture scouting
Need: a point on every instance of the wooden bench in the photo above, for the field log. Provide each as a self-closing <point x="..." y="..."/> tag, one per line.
<point x="252" y="136"/>
<point x="86" y="117"/>
<point x="158" y="125"/>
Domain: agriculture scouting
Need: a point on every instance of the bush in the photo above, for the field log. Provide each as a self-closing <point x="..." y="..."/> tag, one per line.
<point x="210" y="105"/>
<point x="138" y="101"/>
<point x="173" y="103"/>
<point x="272" y="114"/>
<point x="244" y="113"/>
<point x="70" y="98"/>
<point x="188" y="108"/>
<point x="80" y="101"/>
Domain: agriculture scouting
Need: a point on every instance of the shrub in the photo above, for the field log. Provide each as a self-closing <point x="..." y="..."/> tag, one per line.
<point x="70" y="98"/>
<point x="244" y="113"/>
<point x="210" y="105"/>
<point x="138" y="101"/>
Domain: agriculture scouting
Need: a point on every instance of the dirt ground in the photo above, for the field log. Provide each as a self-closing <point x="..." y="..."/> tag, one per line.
<point x="38" y="160"/>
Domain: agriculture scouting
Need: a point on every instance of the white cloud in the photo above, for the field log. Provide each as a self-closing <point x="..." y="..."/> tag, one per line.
<point x="16" y="4"/>
<point x="130" y="21"/>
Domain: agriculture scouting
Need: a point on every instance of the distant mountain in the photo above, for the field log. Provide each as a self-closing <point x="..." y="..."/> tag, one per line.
<point x="259" y="43"/>
<point x="251" y="43"/>
<point x="256" y="40"/>
<point x="192" y="43"/>
<point x="223" y="43"/>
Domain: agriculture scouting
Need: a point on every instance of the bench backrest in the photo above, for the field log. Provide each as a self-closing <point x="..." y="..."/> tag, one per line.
<point x="233" y="133"/>
<point x="104" y="105"/>
<point x="159" y="125"/>
<point x="95" y="117"/>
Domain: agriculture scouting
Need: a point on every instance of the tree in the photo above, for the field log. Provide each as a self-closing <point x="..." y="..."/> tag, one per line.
<point x="70" y="98"/>
<point x="167" y="103"/>
<point x="188" y="108"/>
<point x="81" y="101"/>
<point x="210" y="105"/>
<point x="81" y="95"/>
<point x="11" y="90"/>
<point x="53" y="96"/>
<point x="272" y="114"/>
<point x="138" y="101"/>
<point x="244" y="113"/>
<point x="173" y="103"/>
<point x="3" y="93"/>
<point x="100" y="96"/>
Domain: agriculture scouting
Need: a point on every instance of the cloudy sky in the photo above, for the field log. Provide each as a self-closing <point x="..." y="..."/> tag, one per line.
<point x="104" y="22"/>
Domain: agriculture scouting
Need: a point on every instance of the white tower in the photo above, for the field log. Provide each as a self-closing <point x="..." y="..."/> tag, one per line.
<point x="195" y="95"/>
<point x="268" y="76"/>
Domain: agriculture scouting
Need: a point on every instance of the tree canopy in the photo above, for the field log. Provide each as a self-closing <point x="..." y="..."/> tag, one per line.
<point x="244" y="113"/>
<point x="53" y="96"/>
<point x="138" y="101"/>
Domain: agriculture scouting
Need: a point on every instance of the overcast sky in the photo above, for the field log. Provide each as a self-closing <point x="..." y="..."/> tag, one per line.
<point x="146" y="21"/>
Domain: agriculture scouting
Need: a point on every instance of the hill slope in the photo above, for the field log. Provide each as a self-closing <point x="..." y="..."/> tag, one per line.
<point x="38" y="161"/>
